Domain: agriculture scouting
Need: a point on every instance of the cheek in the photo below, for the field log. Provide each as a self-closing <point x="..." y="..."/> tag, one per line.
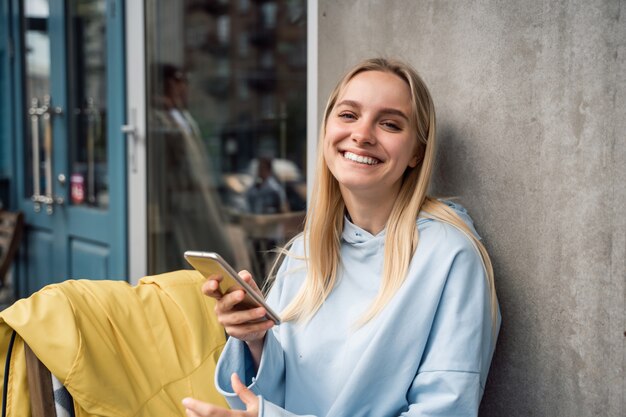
<point x="328" y="149"/>
<point x="407" y="151"/>
<point x="333" y="133"/>
<point x="405" y="147"/>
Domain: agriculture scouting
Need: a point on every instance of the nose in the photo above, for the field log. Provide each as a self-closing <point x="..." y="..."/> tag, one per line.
<point x="363" y="134"/>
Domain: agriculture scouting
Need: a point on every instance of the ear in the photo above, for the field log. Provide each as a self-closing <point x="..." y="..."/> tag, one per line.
<point x="419" y="156"/>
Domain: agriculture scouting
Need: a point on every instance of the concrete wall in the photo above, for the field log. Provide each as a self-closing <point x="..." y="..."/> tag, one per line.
<point x="531" y="99"/>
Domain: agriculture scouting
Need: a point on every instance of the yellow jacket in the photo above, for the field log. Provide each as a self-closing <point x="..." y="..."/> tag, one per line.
<point x="119" y="350"/>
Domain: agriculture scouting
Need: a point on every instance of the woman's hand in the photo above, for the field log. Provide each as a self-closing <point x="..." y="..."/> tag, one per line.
<point x="195" y="408"/>
<point x="247" y="325"/>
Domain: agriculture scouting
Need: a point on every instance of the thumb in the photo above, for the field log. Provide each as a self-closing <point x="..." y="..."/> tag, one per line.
<point x="248" y="397"/>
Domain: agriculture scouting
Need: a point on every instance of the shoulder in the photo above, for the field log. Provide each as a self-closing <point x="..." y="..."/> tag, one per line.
<point x="451" y="260"/>
<point x="293" y="257"/>
<point x="290" y="275"/>
<point x="445" y="248"/>
<point x="425" y="222"/>
<point x="444" y="243"/>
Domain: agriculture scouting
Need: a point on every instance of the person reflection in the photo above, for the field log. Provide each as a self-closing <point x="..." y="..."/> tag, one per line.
<point x="267" y="195"/>
<point x="185" y="206"/>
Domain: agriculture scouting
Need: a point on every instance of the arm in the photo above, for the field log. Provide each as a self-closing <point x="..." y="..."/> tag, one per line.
<point x="268" y="380"/>
<point x="450" y="380"/>
<point x="268" y="383"/>
<point x="259" y="363"/>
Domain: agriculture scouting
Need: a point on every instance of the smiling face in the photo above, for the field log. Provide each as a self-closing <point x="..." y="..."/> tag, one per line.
<point x="369" y="140"/>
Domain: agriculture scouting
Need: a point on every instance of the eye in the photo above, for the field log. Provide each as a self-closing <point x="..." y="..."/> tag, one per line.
<point x="392" y="126"/>
<point x="347" y="115"/>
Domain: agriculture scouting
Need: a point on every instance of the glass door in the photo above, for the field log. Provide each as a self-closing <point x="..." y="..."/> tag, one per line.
<point x="226" y="129"/>
<point x="70" y="174"/>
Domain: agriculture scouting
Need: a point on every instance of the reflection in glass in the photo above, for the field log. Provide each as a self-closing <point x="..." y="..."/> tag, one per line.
<point x="226" y="129"/>
<point x="88" y="144"/>
<point x="184" y="209"/>
<point x="37" y="77"/>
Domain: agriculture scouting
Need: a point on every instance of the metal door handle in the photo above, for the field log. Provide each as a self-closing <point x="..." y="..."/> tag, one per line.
<point x="34" y="120"/>
<point x="131" y="130"/>
<point x="44" y="113"/>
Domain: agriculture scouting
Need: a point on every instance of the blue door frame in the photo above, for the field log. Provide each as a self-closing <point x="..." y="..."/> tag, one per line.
<point x="7" y="144"/>
<point x="74" y="241"/>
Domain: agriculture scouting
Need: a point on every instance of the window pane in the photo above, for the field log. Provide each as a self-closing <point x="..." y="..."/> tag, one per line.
<point x="88" y="145"/>
<point x="226" y="129"/>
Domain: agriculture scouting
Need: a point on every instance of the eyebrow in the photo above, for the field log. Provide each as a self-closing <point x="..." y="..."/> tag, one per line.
<point x="386" y="110"/>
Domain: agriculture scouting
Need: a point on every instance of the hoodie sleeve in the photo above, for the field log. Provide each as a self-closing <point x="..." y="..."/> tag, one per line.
<point x="451" y="377"/>
<point x="269" y="380"/>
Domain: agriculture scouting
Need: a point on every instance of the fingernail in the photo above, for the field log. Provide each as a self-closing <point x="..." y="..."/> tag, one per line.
<point x="186" y="401"/>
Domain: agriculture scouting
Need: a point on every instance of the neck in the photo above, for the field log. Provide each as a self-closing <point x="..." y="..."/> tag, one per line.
<point x="369" y="212"/>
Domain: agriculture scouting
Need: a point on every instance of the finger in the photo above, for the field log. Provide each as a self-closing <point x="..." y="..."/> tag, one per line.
<point x="246" y="331"/>
<point x="191" y="413"/>
<point x="237" y="317"/>
<point x="247" y="277"/>
<point x="200" y="408"/>
<point x="248" y="397"/>
<point x="212" y="286"/>
<point x="230" y="300"/>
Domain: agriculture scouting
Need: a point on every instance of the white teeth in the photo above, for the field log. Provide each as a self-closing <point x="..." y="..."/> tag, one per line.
<point x="360" y="159"/>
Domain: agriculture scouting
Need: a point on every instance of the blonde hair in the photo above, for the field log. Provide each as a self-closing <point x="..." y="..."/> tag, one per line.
<point x="325" y="217"/>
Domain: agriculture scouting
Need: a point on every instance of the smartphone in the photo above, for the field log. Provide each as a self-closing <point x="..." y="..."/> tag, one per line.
<point x="210" y="263"/>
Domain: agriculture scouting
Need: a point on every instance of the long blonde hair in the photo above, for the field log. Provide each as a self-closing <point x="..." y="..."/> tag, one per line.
<point x="325" y="217"/>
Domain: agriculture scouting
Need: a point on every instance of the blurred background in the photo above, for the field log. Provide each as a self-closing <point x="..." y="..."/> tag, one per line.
<point x="226" y="129"/>
<point x="133" y="131"/>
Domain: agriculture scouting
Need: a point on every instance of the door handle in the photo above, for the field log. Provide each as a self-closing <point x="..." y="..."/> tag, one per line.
<point x="38" y="114"/>
<point x="131" y="131"/>
<point x="34" y="112"/>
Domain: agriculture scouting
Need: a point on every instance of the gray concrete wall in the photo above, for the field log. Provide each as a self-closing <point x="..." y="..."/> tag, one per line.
<point x="531" y="99"/>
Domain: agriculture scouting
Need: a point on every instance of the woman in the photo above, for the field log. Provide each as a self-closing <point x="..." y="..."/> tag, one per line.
<point x="387" y="298"/>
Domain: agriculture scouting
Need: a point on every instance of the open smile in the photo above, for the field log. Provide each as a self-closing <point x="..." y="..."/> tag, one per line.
<point x="360" y="159"/>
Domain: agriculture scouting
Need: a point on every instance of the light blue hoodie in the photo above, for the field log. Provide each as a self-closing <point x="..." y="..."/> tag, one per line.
<point x="427" y="353"/>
